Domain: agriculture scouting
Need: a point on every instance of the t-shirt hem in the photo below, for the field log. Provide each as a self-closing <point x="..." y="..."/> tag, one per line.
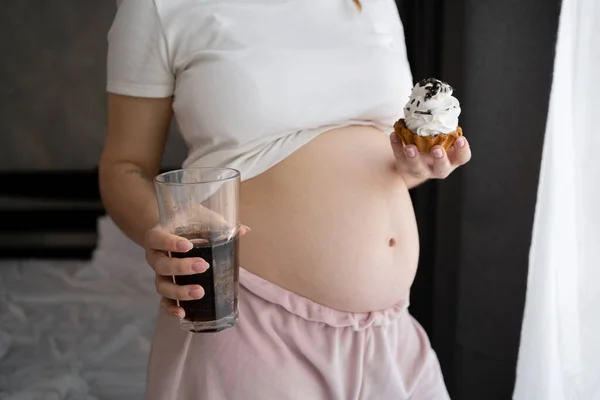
<point x="127" y="89"/>
<point x="259" y="164"/>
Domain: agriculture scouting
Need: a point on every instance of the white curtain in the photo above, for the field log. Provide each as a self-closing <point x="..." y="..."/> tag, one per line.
<point x="559" y="357"/>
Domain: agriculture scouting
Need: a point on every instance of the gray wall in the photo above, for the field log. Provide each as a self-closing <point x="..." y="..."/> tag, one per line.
<point x="52" y="80"/>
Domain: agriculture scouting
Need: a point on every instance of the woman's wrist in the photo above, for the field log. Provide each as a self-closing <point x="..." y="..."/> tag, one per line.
<point x="412" y="181"/>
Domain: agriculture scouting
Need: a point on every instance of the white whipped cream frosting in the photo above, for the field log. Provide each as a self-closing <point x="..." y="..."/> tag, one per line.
<point x="431" y="109"/>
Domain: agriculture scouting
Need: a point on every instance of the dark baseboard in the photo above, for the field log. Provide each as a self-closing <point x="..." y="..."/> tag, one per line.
<point x="49" y="215"/>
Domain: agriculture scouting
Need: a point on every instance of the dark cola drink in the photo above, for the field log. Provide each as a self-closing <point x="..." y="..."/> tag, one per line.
<point x="218" y="309"/>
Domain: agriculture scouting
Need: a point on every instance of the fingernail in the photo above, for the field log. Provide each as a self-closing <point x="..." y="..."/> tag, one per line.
<point x="437" y="153"/>
<point x="184" y="245"/>
<point x="196" y="293"/>
<point x="200" y="266"/>
<point x="247" y="228"/>
<point x="460" y="142"/>
<point x="176" y="314"/>
<point x="394" y="137"/>
<point x="410" y="152"/>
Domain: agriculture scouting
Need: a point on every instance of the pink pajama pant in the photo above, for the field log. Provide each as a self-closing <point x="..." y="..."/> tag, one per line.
<point x="286" y="347"/>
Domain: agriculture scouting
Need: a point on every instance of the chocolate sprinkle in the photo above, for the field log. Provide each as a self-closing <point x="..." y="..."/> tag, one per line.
<point x="433" y="87"/>
<point x="428" y="112"/>
<point x="412" y="101"/>
<point x="418" y="103"/>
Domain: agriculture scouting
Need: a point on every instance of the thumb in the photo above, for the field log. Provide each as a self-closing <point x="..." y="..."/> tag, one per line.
<point x="244" y="229"/>
<point x="398" y="147"/>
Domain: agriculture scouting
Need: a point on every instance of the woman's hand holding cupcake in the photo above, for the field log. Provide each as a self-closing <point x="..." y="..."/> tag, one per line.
<point x="427" y="142"/>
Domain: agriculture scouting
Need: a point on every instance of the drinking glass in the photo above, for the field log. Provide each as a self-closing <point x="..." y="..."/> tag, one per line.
<point x="202" y="205"/>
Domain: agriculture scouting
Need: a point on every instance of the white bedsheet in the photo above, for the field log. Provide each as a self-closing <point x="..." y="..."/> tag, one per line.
<point x="77" y="330"/>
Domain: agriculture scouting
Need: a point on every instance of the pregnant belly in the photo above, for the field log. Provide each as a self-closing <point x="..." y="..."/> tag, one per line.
<point x="334" y="223"/>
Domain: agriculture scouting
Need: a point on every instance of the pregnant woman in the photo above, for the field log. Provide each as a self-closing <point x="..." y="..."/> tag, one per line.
<point x="300" y="97"/>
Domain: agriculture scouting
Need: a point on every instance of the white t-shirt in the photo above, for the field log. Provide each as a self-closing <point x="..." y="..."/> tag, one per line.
<point x="254" y="80"/>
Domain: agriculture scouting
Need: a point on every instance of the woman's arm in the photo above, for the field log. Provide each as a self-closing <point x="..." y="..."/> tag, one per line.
<point x="137" y="132"/>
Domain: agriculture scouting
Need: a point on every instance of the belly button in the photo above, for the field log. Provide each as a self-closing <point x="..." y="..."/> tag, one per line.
<point x="392" y="242"/>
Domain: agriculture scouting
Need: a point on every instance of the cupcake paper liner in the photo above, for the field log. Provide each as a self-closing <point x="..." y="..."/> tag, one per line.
<point x="425" y="143"/>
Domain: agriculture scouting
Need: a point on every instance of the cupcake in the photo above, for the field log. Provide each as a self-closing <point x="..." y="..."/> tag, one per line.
<point x="430" y="116"/>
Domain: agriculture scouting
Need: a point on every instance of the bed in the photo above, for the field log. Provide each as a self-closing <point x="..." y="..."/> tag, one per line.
<point x="77" y="302"/>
